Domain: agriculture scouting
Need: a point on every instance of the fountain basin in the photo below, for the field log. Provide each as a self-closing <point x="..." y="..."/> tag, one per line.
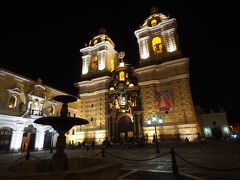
<point x="61" y="123"/>
<point x="79" y="168"/>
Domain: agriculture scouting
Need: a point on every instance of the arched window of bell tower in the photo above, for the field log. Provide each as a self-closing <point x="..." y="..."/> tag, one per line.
<point x="157" y="45"/>
<point x="94" y="63"/>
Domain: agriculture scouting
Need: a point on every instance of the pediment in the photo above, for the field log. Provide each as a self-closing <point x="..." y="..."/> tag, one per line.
<point x="15" y="90"/>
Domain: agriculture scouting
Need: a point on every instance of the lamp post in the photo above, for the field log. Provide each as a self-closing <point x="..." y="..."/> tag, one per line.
<point x="155" y="121"/>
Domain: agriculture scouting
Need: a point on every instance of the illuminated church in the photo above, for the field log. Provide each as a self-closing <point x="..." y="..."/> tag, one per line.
<point x="152" y="100"/>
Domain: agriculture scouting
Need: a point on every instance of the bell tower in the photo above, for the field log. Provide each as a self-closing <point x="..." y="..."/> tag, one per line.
<point x="163" y="79"/>
<point x="157" y="38"/>
<point x="99" y="57"/>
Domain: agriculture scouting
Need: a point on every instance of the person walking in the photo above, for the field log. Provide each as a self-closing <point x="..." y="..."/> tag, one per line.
<point x="93" y="145"/>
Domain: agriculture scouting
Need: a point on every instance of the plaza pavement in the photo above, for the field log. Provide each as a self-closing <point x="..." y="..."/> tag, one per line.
<point x="223" y="155"/>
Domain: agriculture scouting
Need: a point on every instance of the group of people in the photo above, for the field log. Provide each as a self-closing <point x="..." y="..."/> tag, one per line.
<point x="132" y="142"/>
<point x="85" y="145"/>
<point x="88" y="145"/>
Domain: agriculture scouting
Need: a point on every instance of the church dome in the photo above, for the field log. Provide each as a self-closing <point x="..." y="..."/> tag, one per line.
<point x="154" y="19"/>
<point x="100" y="38"/>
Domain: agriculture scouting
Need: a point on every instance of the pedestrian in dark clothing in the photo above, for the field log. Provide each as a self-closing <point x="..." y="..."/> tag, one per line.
<point x="93" y="144"/>
<point x="83" y="145"/>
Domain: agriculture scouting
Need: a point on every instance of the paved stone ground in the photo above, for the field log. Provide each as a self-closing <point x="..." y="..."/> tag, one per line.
<point x="213" y="154"/>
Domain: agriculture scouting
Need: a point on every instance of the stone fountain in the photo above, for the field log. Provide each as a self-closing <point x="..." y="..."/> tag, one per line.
<point x="60" y="166"/>
<point x="61" y="124"/>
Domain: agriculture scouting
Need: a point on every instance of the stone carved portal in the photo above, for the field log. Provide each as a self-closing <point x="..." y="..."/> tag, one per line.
<point x="123" y="96"/>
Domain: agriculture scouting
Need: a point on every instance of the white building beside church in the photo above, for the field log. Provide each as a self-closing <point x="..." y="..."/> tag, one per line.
<point x="21" y="102"/>
<point x="213" y="124"/>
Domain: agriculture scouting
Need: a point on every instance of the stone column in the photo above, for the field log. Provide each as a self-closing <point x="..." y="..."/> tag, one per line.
<point x="16" y="140"/>
<point x="115" y="130"/>
<point x="135" y="124"/>
<point x="138" y="123"/>
<point x="40" y="134"/>
<point x="110" y="130"/>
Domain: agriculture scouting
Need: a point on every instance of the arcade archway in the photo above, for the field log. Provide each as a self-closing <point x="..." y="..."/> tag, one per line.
<point x="28" y="141"/>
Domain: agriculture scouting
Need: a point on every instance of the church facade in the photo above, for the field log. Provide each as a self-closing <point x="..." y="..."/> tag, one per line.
<point x="152" y="100"/>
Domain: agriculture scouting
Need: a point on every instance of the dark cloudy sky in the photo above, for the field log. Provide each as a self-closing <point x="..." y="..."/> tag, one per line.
<point x="43" y="40"/>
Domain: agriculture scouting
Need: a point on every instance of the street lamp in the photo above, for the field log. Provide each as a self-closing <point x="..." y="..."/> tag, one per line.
<point x="154" y="120"/>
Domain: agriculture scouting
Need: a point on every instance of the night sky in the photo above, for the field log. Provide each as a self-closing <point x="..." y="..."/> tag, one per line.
<point x="43" y="40"/>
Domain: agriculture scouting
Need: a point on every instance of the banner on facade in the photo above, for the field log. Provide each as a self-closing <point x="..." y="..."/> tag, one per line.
<point x="163" y="101"/>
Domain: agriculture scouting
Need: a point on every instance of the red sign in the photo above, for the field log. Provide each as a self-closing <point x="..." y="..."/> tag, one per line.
<point x="163" y="102"/>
